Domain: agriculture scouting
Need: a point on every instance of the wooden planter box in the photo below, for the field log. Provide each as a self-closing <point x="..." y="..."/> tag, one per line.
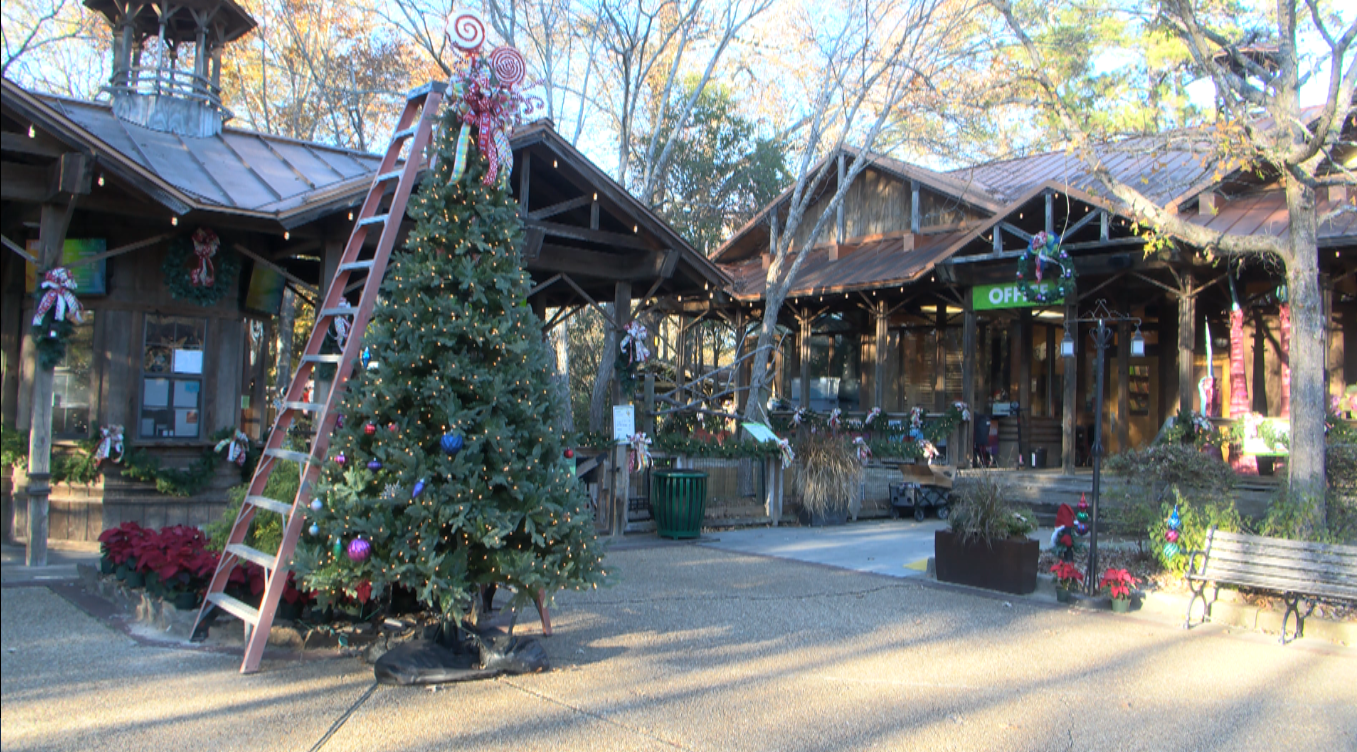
<point x="1007" y="565"/>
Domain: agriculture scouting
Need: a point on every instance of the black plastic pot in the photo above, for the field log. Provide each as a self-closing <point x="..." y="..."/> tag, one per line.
<point x="1008" y="565"/>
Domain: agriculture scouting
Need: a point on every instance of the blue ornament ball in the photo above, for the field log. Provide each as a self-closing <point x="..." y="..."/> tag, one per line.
<point x="316" y="505"/>
<point x="451" y="443"/>
<point x="1081" y="528"/>
<point x="374" y="466"/>
<point x="315" y="530"/>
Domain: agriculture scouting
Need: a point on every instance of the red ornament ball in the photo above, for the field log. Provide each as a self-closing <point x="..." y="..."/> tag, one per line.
<point x="570" y="454"/>
<point x="370" y="429"/>
<point x="1171" y="536"/>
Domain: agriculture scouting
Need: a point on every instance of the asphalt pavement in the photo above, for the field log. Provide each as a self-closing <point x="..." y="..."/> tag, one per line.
<point x="706" y="647"/>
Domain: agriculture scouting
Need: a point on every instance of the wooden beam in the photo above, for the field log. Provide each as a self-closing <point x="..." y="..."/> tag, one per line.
<point x="966" y="452"/>
<point x="13" y="246"/>
<point x="544" y="285"/>
<point x="524" y="183"/>
<point x="258" y="259"/>
<point x="601" y="237"/>
<point x="555" y="258"/>
<point x="19" y="143"/>
<point x="122" y="249"/>
<point x="580" y="291"/>
<point x="561" y="207"/>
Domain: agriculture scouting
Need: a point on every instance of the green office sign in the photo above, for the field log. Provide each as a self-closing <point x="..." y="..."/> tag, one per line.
<point x="1007" y="295"/>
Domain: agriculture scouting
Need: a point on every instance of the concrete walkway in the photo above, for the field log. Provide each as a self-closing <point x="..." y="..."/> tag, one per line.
<point x="694" y="647"/>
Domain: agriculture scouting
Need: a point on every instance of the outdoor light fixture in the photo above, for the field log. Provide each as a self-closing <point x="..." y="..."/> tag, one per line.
<point x="1137" y="344"/>
<point x="174" y="221"/>
<point x="1067" y="345"/>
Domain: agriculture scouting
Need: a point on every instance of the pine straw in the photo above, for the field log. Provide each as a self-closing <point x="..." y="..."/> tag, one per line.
<point x="827" y="474"/>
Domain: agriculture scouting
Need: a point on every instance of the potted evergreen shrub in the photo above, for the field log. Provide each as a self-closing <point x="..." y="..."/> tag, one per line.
<point x="827" y="476"/>
<point x="988" y="544"/>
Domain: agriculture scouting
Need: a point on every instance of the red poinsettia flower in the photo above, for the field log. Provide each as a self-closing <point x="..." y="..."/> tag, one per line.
<point x="1118" y="583"/>
<point x="1068" y="574"/>
<point x="363" y="592"/>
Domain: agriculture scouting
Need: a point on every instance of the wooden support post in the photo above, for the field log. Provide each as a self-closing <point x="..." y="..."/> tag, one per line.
<point x="1022" y="350"/>
<point x="803" y="342"/>
<point x="741" y="383"/>
<point x="681" y="359"/>
<point x="1187" y="342"/>
<point x="940" y="359"/>
<point x="1168" y="360"/>
<point x="772" y="489"/>
<point x="1051" y="355"/>
<point x="525" y="173"/>
<point x="648" y="420"/>
<point x="1067" y="422"/>
<point x="621" y="472"/>
<point x="881" y="344"/>
<point x="914" y="220"/>
<point x="329" y="263"/>
<point x="1050" y="212"/>
<point x="52" y="223"/>
<point x="1122" y="384"/>
<point x="968" y="365"/>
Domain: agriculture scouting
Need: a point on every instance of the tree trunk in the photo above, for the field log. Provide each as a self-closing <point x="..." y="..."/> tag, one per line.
<point x="561" y="344"/>
<point x="598" y="402"/>
<point x="758" y="374"/>
<point x="1306" y="461"/>
<point x="283" y="378"/>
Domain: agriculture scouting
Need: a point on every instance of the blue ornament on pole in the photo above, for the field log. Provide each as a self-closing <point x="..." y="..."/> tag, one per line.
<point x="417" y="490"/>
<point x="1174" y="521"/>
<point x="451" y="443"/>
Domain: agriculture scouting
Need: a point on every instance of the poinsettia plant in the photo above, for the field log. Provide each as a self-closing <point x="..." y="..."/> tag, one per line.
<point x="118" y="543"/>
<point x="1067" y="575"/>
<point x="1118" y="583"/>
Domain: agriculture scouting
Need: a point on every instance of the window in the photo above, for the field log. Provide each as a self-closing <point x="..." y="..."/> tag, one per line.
<point x="73" y="383"/>
<point x="172" y="377"/>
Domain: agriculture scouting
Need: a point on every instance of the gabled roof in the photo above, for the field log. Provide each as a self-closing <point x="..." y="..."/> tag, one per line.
<point x="236" y="172"/>
<point x="965" y="188"/>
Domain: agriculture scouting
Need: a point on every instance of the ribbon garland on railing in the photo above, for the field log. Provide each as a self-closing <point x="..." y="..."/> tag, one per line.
<point x="237" y="447"/>
<point x="864" y="451"/>
<point x="205" y="245"/>
<point x="634" y="343"/>
<point x="788" y="456"/>
<point x="872" y="415"/>
<point x="835" y="419"/>
<point x="485" y="93"/>
<point x="110" y="441"/>
<point x="341" y="326"/>
<point x="60" y="292"/>
<point x="639" y="455"/>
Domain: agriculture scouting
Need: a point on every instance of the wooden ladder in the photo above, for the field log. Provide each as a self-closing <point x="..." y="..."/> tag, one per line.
<point x="414" y="130"/>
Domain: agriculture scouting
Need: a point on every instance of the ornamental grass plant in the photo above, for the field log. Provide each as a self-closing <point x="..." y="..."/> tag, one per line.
<point x="828" y="473"/>
<point x="982" y="512"/>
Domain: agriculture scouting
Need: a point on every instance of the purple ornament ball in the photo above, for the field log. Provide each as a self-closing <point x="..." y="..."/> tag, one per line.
<point x="359" y="550"/>
<point x="374" y="466"/>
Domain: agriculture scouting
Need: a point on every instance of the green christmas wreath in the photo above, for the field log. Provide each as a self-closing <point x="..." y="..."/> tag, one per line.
<point x="1045" y="254"/>
<point x="197" y="269"/>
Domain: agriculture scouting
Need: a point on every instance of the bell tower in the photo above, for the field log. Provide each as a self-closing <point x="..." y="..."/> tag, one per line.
<point x="167" y="61"/>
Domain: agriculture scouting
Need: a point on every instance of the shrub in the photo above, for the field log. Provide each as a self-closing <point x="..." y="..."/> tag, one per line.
<point x="266" y="530"/>
<point x="981" y="512"/>
<point x="1149" y="475"/>
<point x="1196" y="519"/>
<point x="827" y="473"/>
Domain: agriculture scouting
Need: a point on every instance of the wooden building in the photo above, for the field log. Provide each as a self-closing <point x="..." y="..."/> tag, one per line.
<point x="122" y="184"/>
<point x="911" y="298"/>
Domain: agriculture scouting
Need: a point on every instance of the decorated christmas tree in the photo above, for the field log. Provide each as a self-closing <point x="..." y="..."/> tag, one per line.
<point x="446" y="474"/>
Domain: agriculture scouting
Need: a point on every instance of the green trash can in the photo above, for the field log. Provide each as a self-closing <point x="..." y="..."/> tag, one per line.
<point x="678" y="499"/>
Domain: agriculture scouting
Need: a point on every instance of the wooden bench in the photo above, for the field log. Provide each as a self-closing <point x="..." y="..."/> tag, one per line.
<point x="1298" y="571"/>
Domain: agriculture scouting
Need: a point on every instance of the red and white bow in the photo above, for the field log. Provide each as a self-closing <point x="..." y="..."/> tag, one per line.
<point x="237" y="447"/>
<point x="639" y="455"/>
<point x="872" y="415"/>
<point x="788" y="456"/>
<point x="110" y="441"/>
<point x="835" y="419"/>
<point x="634" y="343"/>
<point x="962" y="408"/>
<point x="916" y="417"/>
<point x="864" y="451"/>
<point x="927" y="450"/>
<point x="799" y="416"/>
<point x="205" y="245"/>
<point x="60" y="292"/>
<point x="341" y="326"/>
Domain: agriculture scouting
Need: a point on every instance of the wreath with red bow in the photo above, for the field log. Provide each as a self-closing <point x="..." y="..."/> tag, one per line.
<point x="197" y="268"/>
<point x="1044" y="260"/>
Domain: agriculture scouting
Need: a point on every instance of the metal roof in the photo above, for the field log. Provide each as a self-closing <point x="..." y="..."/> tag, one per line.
<point x="237" y="171"/>
<point x="872" y="264"/>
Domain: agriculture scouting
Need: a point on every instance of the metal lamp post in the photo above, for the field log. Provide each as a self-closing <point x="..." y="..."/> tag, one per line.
<point x="1101" y="334"/>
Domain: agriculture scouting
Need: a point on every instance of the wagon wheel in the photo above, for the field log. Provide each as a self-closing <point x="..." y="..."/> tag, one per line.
<point x="943" y="511"/>
<point x="919" y="513"/>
